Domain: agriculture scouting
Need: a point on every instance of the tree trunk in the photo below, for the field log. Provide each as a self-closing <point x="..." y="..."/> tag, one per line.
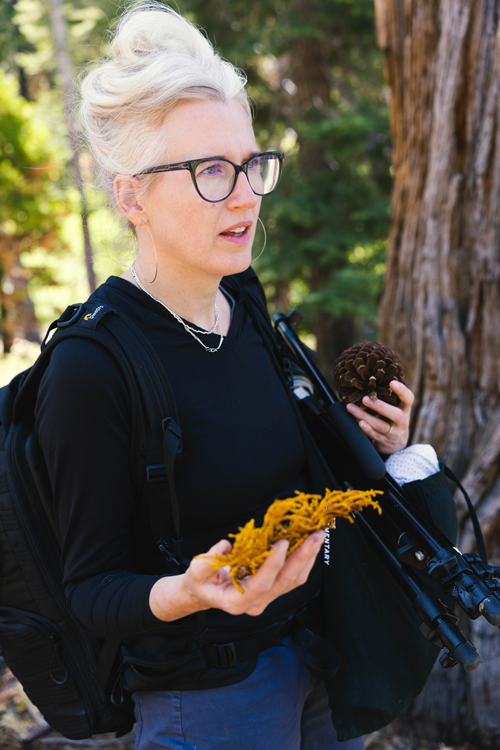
<point x="441" y="305"/>
<point x="333" y="336"/>
<point x="64" y="67"/>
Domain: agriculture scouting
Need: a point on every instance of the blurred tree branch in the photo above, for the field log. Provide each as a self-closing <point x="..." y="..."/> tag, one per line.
<point x="64" y="67"/>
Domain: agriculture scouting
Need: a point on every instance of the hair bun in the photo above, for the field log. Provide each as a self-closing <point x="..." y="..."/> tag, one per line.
<point x="149" y="30"/>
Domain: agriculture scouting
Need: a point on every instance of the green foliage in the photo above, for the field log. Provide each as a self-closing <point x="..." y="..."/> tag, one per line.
<point x="59" y="279"/>
<point x="319" y="219"/>
<point x="29" y="200"/>
<point x="30" y="205"/>
<point x="11" y="39"/>
<point x="33" y="47"/>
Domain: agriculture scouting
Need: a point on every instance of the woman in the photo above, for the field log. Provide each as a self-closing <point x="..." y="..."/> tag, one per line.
<point x="170" y="129"/>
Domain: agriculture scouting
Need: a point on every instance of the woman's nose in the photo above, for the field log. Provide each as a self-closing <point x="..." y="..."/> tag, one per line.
<point x="243" y="195"/>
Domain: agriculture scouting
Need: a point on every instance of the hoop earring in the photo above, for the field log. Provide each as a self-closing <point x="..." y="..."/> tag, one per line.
<point x="265" y="240"/>
<point x="156" y="259"/>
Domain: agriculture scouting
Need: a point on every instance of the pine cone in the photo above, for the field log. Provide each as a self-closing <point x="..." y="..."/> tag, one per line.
<point x="366" y="369"/>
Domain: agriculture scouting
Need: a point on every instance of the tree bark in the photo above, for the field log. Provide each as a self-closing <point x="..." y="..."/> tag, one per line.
<point x="64" y="67"/>
<point x="441" y="305"/>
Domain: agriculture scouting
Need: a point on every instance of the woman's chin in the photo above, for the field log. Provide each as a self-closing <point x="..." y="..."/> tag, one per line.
<point x="237" y="262"/>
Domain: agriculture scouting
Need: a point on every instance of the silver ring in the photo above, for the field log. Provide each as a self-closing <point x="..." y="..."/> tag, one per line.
<point x="388" y="432"/>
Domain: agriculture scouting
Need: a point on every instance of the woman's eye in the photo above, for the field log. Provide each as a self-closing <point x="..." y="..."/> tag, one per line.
<point x="256" y="166"/>
<point x="213" y="169"/>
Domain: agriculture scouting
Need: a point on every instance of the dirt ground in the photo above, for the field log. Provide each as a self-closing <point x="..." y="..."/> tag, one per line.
<point x="22" y="727"/>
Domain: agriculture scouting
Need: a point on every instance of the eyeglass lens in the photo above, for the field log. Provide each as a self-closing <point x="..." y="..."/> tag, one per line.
<point x="215" y="177"/>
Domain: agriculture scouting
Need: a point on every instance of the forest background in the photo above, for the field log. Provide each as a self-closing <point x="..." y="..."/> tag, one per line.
<point x="399" y="222"/>
<point x="315" y="78"/>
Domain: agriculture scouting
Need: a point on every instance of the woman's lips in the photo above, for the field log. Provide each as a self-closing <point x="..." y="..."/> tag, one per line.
<point x="238" y="239"/>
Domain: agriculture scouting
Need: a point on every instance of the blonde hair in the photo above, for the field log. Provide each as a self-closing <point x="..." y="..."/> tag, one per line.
<point x="157" y="60"/>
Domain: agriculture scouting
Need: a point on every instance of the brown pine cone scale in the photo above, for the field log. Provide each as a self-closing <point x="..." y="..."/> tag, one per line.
<point x="367" y="369"/>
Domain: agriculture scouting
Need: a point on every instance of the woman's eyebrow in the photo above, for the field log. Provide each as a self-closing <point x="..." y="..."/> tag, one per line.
<point x="251" y="155"/>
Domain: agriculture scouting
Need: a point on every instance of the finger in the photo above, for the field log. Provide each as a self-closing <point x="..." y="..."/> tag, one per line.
<point x="223" y="547"/>
<point x="254" y="586"/>
<point x="382" y="435"/>
<point x="200" y="565"/>
<point x="370" y="431"/>
<point x="386" y="443"/>
<point x="310" y="546"/>
<point x="361" y="414"/>
<point x="298" y="566"/>
<point x="394" y="413"/>
<point x="294" y="572"/>
<point x="264" y="578"/>
<point x="358" y="413"/>
<point x="381" y="427"/>
<point x="309" y="550"/>
<point x="259" y="589"/>
<point x="281" y="573"/>
<point x="404" y="394"/>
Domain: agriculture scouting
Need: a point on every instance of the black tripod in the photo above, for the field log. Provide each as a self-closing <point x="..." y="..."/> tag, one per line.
<point x="423" y="561"/>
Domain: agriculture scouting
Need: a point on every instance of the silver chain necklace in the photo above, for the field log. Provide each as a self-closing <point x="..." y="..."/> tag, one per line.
<point x="189" y="329"/>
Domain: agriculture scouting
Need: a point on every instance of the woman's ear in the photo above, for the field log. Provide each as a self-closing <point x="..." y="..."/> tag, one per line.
<point x="126" y="190"/>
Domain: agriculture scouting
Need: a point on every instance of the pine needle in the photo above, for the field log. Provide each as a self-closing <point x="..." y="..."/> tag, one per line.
<point x="293" y="519"/>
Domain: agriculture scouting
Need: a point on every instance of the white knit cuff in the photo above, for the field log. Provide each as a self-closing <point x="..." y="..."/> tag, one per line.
<point x="412" y="463"/>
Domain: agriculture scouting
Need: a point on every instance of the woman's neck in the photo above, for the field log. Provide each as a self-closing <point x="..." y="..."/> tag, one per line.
<point x="193" y="299"/>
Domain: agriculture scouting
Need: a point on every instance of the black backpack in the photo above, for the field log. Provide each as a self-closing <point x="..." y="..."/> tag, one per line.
<point x="66" y="673"/>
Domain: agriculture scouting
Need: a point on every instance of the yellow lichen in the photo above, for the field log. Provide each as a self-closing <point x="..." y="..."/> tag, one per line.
<point x="292" y="519"/>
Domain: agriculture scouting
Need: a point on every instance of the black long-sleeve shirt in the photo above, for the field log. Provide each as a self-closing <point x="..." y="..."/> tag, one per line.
<point x="242" y="448"/>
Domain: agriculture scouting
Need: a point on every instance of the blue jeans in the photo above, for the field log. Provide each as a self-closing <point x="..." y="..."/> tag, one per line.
<point x="279" y="706"/>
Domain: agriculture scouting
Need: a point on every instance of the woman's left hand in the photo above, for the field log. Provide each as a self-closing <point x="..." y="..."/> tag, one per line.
<point x="387" y="437"/>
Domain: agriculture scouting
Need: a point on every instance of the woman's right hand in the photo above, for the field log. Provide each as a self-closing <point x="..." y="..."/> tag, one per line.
<point x="201" y="587"/>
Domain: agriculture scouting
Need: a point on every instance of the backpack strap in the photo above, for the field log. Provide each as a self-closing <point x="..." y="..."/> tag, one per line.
<point x="154" y="420"/>
<point x="325" y="659"/>
<point x="154" y="411"/>
<point x="253" y="298"/>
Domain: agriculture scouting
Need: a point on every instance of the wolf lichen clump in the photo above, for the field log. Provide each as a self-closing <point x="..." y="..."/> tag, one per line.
<point x="292" y="519"/>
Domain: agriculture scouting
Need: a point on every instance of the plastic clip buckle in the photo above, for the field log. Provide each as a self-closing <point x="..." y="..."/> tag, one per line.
<point x="225" y="654"/>
<point x="170" y="424"/>
<point x="172" y="563"/>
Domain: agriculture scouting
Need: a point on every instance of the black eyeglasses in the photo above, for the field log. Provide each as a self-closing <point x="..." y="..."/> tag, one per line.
<point x="215" y="178"/>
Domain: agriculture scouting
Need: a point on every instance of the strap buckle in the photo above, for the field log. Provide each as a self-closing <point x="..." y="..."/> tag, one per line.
<point x="156" y="474"/>
<point x="221" y="655"/>
<point x="172" y="563"/>
<point x="170" y="424"/>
